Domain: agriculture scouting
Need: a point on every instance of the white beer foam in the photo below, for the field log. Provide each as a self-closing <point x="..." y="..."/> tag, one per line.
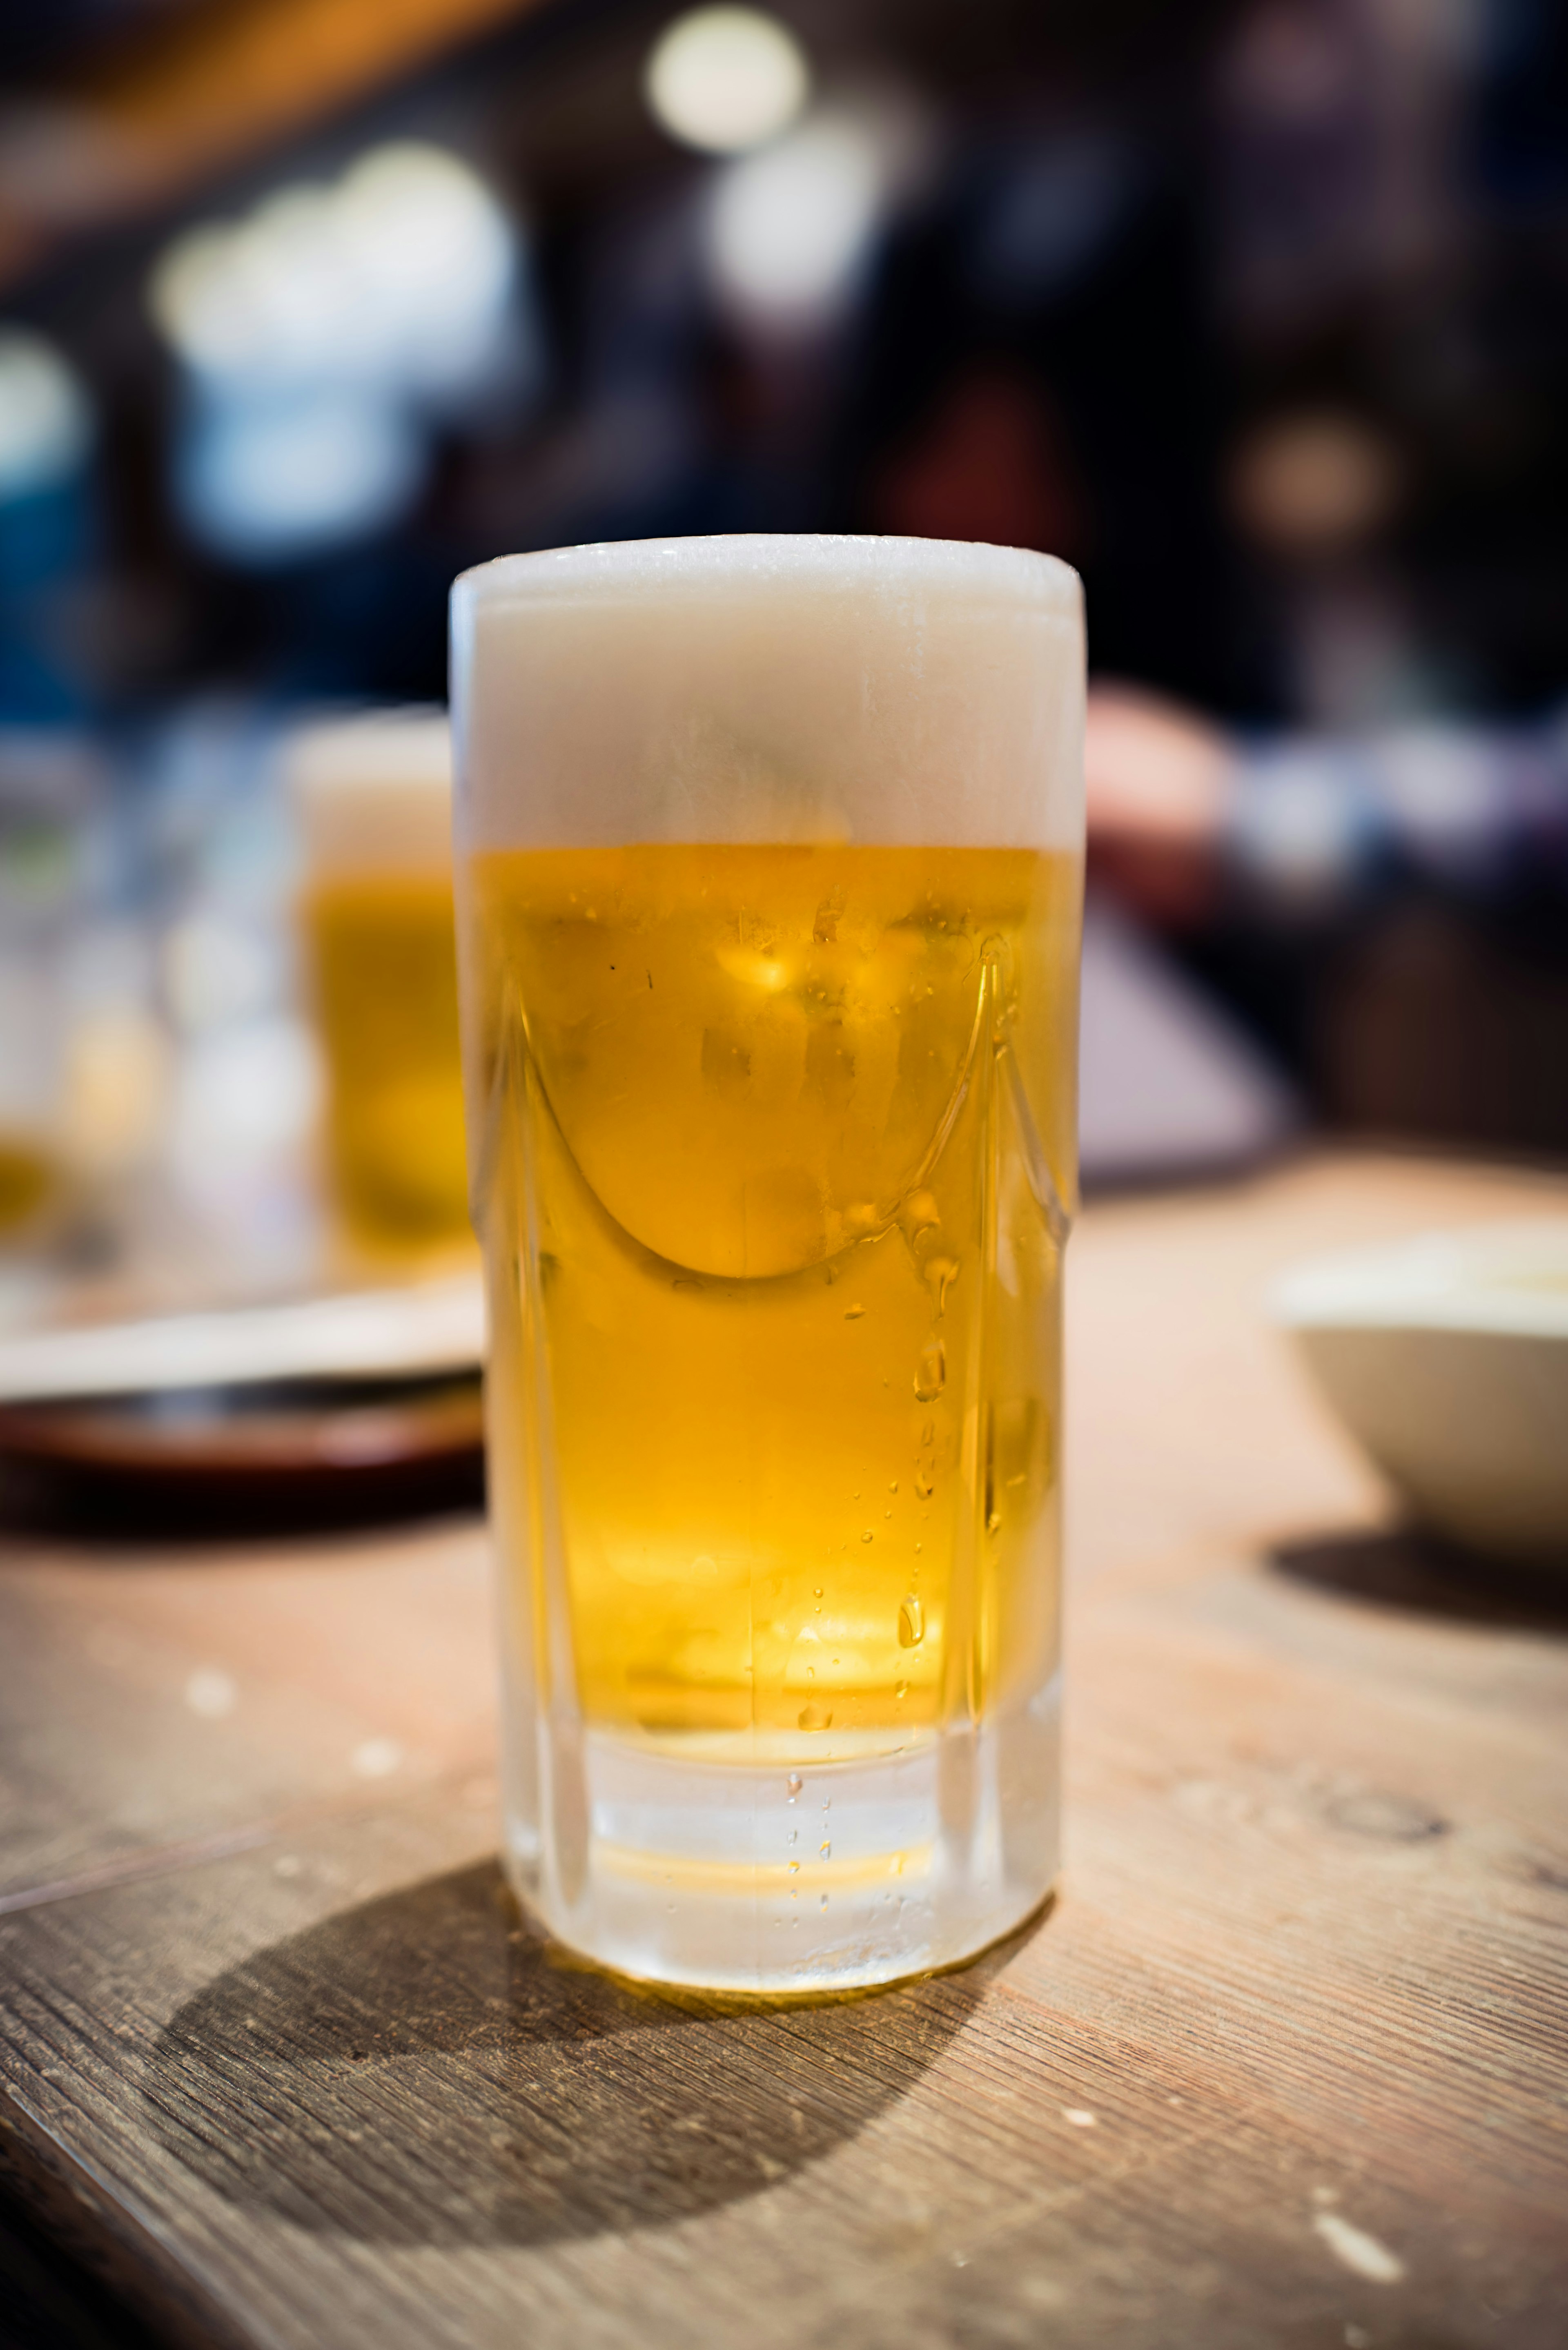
<point x="889" y="690"/>
<point x="373" y="793"/>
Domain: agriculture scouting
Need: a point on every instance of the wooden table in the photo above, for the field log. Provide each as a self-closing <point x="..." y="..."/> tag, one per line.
<point x="1284" y="2066"/>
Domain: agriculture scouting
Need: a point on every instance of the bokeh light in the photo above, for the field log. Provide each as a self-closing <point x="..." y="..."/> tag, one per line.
<point x="789" y="227"/>
<point x="725" y="79"/>
<point x="398" y="273"/>
<point x="1314" y="482"/>
<point x="318" y="334"/>
<point x="265" y="479"/>
<point x="45" y="423"/>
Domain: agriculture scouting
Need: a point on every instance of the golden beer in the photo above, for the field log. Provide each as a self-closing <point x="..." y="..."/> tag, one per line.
<point x="782" y="1119"/>
<point x="27" y="1177"/>
<point x="376" y="913"/>
<point x="769" y="877"/>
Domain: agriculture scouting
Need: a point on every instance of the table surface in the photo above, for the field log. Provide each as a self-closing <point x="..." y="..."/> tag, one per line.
<point x="1285" y="2064"/>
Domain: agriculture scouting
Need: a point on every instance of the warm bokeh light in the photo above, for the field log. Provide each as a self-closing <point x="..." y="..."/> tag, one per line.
<point x="724" y="80"/>
<point x="1313" y="482"/>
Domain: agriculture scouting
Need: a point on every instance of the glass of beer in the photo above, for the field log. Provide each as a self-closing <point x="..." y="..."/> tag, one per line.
<point x="373" y="799"/>
<point x="769" y="871"/>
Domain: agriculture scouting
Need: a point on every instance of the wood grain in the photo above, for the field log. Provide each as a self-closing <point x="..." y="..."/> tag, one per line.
<point x="1287" y="2064"/>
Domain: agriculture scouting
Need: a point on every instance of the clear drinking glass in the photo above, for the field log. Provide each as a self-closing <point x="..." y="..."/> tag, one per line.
<point x="769" y="867"/>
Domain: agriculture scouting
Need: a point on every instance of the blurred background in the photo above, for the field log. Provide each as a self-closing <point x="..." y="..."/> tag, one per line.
<point x="1251" y="309"/>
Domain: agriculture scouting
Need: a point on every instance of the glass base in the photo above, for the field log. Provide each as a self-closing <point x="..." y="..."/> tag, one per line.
<point x="792" y="1874"/>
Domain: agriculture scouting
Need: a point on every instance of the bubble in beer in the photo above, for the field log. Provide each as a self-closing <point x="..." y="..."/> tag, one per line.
<point x="911" y="1622"/>
<point x="930" y="1371"/>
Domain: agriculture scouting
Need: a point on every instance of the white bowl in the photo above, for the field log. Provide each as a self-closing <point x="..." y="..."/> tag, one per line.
<point x="1448" y="1360"/>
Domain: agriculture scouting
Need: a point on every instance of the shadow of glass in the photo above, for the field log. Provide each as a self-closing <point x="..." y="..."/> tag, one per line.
<point x="1415" y="1572"/>
<point x="422" y="2070"/>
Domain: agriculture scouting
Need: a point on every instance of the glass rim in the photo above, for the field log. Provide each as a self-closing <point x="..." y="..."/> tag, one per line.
<point x="781" y="562"/>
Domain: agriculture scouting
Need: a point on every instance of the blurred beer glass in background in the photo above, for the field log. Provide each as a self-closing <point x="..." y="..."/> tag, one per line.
<point x="769" y="879"/>
<point x="48" y="789"/>
<point x="373" y="797"/>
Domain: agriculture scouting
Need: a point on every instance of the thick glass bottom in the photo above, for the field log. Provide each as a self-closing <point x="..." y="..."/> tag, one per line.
<point x="783" y="1875"/>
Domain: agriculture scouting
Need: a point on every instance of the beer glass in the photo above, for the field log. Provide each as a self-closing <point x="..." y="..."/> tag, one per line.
<point x="769" y="878"/>
<point x="373" y="797"/>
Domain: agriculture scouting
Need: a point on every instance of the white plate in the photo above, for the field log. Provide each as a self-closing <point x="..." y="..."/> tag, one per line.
<point x="425" y="1328"/>
<point x="1448" y="1360"/>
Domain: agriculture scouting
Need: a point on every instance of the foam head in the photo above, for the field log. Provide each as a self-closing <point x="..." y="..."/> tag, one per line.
<point x="373" y="793"/>
<point x="888" y="690"/>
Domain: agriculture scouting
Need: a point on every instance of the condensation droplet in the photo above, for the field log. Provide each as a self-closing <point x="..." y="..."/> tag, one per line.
<point x="867" y="1536"/>
<point x="942" y="1273"/>
<point x="930" y="1371"/>
<point x="900" y="1689"/>
<point x="793" y="1786"/>
<point x="925" y="1484"/>
<point x="824" y="1901"/>
<point x="825" y="1849"/>
<point x="993" y="1523"/>
<point x="815" y="1717"/>
<point x="794" y="1869"/>
<point x="911" y="1621"/>
<point x="893" y="1485"/>
<point x="853" y="1313"/>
